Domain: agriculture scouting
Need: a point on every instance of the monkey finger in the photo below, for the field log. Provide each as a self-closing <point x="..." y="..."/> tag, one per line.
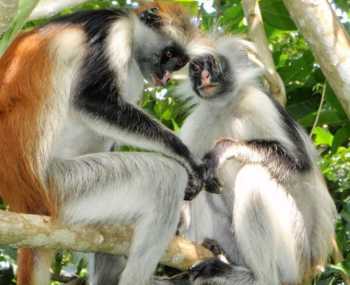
<point x="194" y="186"/>
<point x="213" y="186"/>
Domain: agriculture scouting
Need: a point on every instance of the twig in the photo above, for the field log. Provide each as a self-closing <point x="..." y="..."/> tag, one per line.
<point x="319" y="109"/>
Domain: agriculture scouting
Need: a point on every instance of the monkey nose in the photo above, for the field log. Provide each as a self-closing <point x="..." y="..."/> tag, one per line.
<point x="166" y="78"/>
<point x="205" y="77"/>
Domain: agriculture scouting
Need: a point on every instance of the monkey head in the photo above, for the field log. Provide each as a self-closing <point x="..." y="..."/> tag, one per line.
<point x="210" y="76"/>
<point x="173" y="27"/>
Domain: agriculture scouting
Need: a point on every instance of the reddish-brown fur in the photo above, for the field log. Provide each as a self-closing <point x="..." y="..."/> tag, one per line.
<point x="24" y="83"/>
<point x="25" y="86"/>
<point x="171" y="14"/>
<point x="25" y="71"/>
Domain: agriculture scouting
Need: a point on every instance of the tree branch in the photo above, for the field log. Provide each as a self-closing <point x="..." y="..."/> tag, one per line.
<point x="329" y="43"/>
<point x="23" y="230"/>
<point x="258" y="36"/>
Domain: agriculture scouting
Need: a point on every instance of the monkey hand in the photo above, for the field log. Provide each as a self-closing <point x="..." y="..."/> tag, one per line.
<point x="209" y="269"/>
<point x="194" y="186"/>
<point x="211" y="182"/>
<point x="203" y="177"/>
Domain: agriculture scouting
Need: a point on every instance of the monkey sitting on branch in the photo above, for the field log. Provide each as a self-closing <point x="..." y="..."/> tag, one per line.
<point x="275" y="218"/>
<point x="68" y="91"/>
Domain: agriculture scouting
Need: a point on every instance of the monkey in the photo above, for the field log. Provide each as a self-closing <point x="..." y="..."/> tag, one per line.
<point x="275" y="217"/>
<point x="68" y="91"/>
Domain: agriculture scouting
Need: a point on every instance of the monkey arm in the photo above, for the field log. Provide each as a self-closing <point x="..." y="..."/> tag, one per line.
<point x="124" y="122"/>
<point x="270" y="153"/>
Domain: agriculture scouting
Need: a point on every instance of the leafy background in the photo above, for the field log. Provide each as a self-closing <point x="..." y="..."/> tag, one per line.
<point x="311" y="102"/>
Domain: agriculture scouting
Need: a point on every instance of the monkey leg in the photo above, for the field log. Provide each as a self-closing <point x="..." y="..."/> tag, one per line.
<point x="143" y="189"/>
<point x="105" y="268"/>
<point x="269" y="233"/>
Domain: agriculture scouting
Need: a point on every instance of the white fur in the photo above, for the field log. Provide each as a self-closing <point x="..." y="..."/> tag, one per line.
<point x="144" y="189"/>
<point x="269" y="229"/>
<point x="120" y="50"/>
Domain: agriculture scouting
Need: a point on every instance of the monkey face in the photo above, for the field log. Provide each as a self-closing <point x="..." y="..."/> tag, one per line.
<point x="157" y="63"/>
<point x="210" y="76"/>
<point x="172" y="58"/>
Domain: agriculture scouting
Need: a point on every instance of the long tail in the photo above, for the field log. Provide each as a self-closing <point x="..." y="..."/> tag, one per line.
<point x="34" y="266"/>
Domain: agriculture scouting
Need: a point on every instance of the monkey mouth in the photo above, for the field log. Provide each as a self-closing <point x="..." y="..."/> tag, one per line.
<point x="208" y="89"/>
<point x="161" y="80"/>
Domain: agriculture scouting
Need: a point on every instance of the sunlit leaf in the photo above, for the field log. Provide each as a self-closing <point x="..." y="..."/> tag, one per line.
<point x="275" y="14"/>
<point x="322" y="136"/>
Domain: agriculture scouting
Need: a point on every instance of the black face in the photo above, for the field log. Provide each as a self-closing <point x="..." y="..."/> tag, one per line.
<point x="172" y="58"/>
<point x="210" y="76"/>
<point x="157" y="66"/>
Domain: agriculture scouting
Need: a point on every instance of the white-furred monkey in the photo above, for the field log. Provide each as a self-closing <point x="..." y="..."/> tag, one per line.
<point x="275" y="218"/>
<point x="68" y="89"/>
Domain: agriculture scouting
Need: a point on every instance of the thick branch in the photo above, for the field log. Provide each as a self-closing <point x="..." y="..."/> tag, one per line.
<point x="258" y="36"/>
<point x="21" y="230"/>
<point x="329" y="43"/>
<point x="8" y="9"/>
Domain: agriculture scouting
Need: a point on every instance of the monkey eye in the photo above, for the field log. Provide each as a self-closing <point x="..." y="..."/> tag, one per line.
<point x="153" y="10"/>
<point x="195" y="68"/>
<point x="169" y="54"/>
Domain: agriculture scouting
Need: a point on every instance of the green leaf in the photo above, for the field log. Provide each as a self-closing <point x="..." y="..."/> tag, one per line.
<point x="295" y="72"/>
<point x="306" y="105"/>
<point x="326" y="117"/>
<point x="343" y="4"/>
<point x="322" y="136"/>
<point x="339" y="267"/>
<point x="275" y="14"/>
<point x="341" y="136"/>
<point x="24" y="10"/>
<point x="231" y="18"/>
<point x="333" y="101"/>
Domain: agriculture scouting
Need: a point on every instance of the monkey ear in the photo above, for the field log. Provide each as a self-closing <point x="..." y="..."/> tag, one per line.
<point x="151" y="17"/>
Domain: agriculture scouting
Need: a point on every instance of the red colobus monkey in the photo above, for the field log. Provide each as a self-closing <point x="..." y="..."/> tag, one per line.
<point x="275" y="218"/>
<point x="67" y="92"/>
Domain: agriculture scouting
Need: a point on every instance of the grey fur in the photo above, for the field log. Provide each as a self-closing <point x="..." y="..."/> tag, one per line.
<point x="273" y="231"/>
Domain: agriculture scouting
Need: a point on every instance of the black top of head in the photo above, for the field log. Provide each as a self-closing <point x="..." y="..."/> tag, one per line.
<point x="151" y="18"/>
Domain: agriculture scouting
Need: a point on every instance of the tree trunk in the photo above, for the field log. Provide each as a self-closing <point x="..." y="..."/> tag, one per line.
<point x="329" y="43"/>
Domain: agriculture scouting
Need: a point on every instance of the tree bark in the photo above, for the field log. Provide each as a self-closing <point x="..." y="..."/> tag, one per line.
<point x="329" y="43"/>
<point x="258" y="36"/>
<point x="23" y="230"/>
<point x="8" y="9"/>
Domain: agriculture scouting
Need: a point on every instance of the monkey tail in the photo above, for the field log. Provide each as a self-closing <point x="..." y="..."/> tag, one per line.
<point x="34" y="266"/>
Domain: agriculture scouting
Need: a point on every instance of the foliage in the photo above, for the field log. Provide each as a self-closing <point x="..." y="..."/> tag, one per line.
<point x="305" y="84"/>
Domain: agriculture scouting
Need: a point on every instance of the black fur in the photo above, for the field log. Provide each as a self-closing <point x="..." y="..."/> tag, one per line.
<point x="219" y="71"/>
<point x="97" y="92"/>
<point x="277" y="158"/>
<point x="151" y="18"/>
<point x="302" y="159"/>
<point x="210" y="268"/>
